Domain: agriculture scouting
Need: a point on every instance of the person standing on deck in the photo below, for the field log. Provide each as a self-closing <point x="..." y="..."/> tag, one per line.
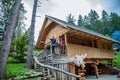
<point x="53" y="43"/>
<point x="62" y="44"/>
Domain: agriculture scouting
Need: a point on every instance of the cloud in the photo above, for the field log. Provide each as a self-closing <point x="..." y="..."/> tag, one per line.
<point x="46" y="6"/>
<point x="94" y="3"/>
<point x="61" y="8"/>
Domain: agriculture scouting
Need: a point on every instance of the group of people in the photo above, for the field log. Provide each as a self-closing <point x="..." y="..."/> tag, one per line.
<point x="54" y="42"/>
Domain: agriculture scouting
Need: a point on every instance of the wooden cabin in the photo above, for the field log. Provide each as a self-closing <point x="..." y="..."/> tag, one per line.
<point x="78" y="40"/>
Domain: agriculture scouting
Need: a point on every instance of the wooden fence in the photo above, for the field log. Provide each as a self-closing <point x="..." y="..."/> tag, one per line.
<point x="58" y="71"/>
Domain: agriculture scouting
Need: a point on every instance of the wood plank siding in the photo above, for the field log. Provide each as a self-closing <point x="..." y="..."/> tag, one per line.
<point x="73" y="49"/>
<point x="56" y="31"/>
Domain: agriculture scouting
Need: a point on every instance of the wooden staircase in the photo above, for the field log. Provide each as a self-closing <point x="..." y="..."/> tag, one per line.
<point x="54" y="73"/>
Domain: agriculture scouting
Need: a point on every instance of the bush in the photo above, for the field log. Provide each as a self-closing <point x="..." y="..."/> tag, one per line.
<point x="19" y="47"/>
<point x="117" y="59"/>
<point x="106" y="62"/>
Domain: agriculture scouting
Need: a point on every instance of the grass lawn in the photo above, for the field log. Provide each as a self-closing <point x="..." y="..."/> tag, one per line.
<point x="16" y="69"/>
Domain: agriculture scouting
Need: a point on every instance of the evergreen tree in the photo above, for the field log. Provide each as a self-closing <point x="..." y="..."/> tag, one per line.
<point x="70" y="19"/>
<point x="86" y="22"/>
<point x="80" y="21"/>
<point x="5" y="7"/>
<point x="114" y="23"/>
<point x="93" y="19"/>
<point x="105" y="23"/>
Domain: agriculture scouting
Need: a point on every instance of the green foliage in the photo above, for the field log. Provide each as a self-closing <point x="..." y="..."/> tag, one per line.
<point x="93" y="19"/>
<point x="105" y="62"/>
<point x="93" y="16"/>
<point x="5" y="8"/>
<point x="14" y="70"/>
<point x="70" y="19"/>
<point x="21" y="47"/>
<point x="117" y="59"/>
<point x="12" y="60"/>
<point x="18" y="70"/>
<point x="31" y="79"/>
<point x="105" y="25"/>
<point x="80" y="21"/>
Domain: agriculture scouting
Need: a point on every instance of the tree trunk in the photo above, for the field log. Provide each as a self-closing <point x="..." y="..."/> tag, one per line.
<point x="31" y="37"/>
<point x="7" y="38"/>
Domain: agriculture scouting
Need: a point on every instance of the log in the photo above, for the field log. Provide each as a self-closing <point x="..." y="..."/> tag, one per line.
<point x="96" y="70"/>
<point x="31" y="76"/>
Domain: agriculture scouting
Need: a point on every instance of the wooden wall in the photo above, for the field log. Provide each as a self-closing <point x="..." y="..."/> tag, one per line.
<point x="72" y="67"/>
<point x="56" y="31"/>
<point x="104" y="45"/>
<point x="48" y="23"/>
<point x="73" y="49"/>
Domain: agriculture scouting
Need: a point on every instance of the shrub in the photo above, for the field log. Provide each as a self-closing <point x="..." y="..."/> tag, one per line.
<point x="117" y="59"/>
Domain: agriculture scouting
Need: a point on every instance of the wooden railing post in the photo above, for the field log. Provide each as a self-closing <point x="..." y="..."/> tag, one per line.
<point x="51" y="50"/>
<point x="57" y="70"/>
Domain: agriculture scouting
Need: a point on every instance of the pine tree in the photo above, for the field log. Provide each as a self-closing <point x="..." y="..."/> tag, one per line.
<point x="70" y="19"/>
<point x="80" y="21"/>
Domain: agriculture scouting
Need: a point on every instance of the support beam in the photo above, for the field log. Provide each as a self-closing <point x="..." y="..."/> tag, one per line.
<point x="66" y="41"/>
<point x="96" y="70"/>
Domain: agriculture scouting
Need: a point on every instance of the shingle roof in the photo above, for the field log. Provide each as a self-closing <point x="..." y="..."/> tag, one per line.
<point x="68" y="25"/>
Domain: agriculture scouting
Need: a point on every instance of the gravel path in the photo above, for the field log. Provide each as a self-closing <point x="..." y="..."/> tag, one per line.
<point x="102" y="77"/>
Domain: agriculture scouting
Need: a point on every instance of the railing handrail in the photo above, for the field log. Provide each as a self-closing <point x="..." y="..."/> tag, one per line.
<point x="54" y="68"/>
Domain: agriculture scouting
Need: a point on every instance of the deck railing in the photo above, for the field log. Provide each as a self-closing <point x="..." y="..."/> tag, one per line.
<point x="50" y="53"/>
<point x="58" y="71"/>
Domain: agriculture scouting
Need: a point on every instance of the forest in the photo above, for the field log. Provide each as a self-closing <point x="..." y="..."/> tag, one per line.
<point x="15" y="59"/>
<point x="106" y="24"/>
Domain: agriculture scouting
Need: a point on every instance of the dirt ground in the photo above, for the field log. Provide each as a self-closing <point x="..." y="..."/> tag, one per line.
<point x="102" y="77"/>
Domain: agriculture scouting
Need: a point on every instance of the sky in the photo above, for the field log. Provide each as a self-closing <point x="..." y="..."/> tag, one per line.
<point x="61" y="8"/>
